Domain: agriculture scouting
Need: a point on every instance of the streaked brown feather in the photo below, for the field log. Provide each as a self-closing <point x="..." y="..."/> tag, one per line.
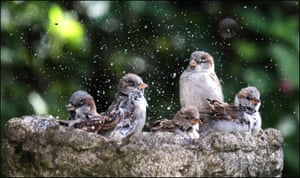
<point x="222" y="110"/>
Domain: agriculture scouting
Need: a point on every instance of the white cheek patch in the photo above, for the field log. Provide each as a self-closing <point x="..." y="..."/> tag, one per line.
<point x="257" y="106"/>
<point x="194" y="132"/>
<point x="196" y="126"/>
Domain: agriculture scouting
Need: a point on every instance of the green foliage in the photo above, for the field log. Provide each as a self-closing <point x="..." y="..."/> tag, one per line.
<point x="51" y="49"/>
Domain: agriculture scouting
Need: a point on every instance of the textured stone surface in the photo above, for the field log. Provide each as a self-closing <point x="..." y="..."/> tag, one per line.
<point x="37" y="146"/>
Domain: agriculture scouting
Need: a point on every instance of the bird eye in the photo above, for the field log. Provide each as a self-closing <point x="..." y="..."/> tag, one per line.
<point x="203" y="57"/>
<point x="255" y="101"/>
<point x="81" y="102"/>
<point x="130" y="82"/>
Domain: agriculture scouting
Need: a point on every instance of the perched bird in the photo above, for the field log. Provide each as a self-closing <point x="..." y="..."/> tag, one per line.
<point x="199" y="81"/>
<point x="83" y="114"/>
<point x="241" y="116"/>
<point x="129" y="107"/>
<point x="125" y="117"/>
<point x="185" y="123"/>
<point x="80" y="104"/>
<point x="249" y="98"/>
<point x="224" y="117"/>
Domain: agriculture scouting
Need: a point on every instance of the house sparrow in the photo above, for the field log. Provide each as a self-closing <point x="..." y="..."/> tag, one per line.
<point x="185" y="123"/>
<point x="224" y="117"/>
<point x="249" y="98"/>
<point x="83" y="114"/>
<point x="130" y="106"/>
<point x="199" y="81"/>
<point x="80" y="105"/>
<point x="241" y="116"/>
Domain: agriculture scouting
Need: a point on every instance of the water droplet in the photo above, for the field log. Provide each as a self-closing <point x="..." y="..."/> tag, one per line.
<point x="173" y="75"/>
<point x="228" y="27"/>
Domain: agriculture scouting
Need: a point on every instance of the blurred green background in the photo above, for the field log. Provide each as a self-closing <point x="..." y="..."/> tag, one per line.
<point x="51" y="49"/>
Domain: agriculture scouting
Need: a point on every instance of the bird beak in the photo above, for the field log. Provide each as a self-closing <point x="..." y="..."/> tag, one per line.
<point x="142" y="86"/>
<point x="70" y="107"/>
<point x="193" y="63"/>
<point x="195" y="121"/>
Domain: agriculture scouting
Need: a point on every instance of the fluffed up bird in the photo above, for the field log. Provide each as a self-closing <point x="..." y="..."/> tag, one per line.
<point x="80" y="104"/>
<point x="249" y="98"/>
<point x="83" y="114"/>
<point x="199" y="81"/>
<point x="129" y="107"/>
<point x="242" y="116"/>
<point x="185" y="123"/>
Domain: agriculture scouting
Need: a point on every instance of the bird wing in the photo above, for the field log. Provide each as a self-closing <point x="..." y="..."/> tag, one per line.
<point x="119" y="114"/>
<point x="222" y="110"/>
<point x="163" y="125"/>
<point x="96" y="123"/>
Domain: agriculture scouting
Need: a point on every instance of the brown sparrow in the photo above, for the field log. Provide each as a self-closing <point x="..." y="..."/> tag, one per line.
<point x="249" y="98"/>
<point x="83" y="114"/>
<point x="224" y="117"/>
<point x="199" y="81"/>
<point x="130" y="106"/>
<point x="185" y="123"/>
<point x="80" y="104"/>
<point x="241" y="116"/>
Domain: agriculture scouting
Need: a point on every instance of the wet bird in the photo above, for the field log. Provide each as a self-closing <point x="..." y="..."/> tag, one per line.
<point x="125" y="117"/>
<point x="199" y="81"/>
<point x="249" y="98"/>
<point x="185" y="123"/>
<point x="242" y="115"/>
<point x="223" y="117"/>
<point x="83" y="114"/>
<point x="129" y="107"/>
<point x="80" y="104"/>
